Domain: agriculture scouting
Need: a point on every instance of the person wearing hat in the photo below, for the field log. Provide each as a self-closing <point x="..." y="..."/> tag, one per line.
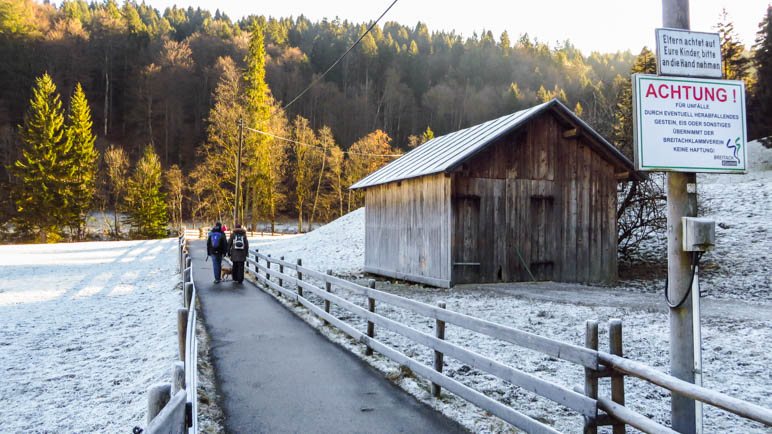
<point x="216" y="247"/>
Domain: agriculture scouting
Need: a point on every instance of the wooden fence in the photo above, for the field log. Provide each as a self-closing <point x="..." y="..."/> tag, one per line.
<point x="200" y="233"/>
<point x="173" y="407"/>
<point x="292" y="280"/>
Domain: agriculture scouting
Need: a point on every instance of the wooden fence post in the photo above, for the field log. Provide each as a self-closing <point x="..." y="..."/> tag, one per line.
<point x="268" y="266"/>
<point x="158" y="396"/>
<point x="281" y="270"/>
<point x="188" y="274"/>
<point x="182" y="328"/>
<point x="178" y="377"/>
<point x="439" y="332"/>
<point x="300" y="277"/>
<point x="590" y="376"/>
<point x="617" y="379"/>
<point x="188" y="292"/>
<point x="370" y="324"/>
<point x="328" y="288"/>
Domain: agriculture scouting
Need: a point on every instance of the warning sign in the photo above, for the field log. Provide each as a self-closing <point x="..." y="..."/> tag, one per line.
<point x="690" y="54"/>
<point x="689" y="124"/>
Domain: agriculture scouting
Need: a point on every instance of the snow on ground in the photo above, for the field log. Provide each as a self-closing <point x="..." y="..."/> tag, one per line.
<point x="741" y="205"/>
<point x="339" y="246"/>
<point x="85" y="328"/>
<point x="735" y="356"/>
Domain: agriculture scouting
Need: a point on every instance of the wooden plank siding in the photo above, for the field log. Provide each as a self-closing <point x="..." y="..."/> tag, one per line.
<point x="407" y="233"/>
<point x="535" y="201"/>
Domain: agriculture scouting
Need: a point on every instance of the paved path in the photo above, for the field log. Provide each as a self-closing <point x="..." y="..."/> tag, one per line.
<point x="277" y="374"/>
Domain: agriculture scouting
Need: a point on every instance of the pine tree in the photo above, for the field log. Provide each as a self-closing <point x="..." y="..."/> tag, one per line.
<point x="760" y="112"/>
<point x="645" y="63"/>
<point x="83" y="157"/>
<point x="258" y="106"/>
<point x="41" y="194"/>
<point x="146" y="203"/>
<point x="736" y="66"/>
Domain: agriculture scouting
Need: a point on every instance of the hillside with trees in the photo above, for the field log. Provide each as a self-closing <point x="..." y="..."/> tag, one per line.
<point x="166" y="92"/>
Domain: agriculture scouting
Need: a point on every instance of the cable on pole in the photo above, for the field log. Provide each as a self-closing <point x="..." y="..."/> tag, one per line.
<point x="319" y="78"/>
<point x="318" y="147"/>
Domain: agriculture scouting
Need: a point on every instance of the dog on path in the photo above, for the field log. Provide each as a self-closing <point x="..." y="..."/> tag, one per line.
<point x="226" y="272"/>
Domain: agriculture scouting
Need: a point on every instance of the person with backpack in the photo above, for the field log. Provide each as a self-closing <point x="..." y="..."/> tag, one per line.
<point x="238" y="248"/>
<point x="216" y="247"/>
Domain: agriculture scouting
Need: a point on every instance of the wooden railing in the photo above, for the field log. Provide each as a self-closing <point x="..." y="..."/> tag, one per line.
<point x="173" y="408"/>
<point x="294" y="281"/>
<point x="200" y="233"/>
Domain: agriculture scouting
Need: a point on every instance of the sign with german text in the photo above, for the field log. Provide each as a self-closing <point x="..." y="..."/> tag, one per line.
<point x="688" y="54"/>
<point x="685" y="124"/>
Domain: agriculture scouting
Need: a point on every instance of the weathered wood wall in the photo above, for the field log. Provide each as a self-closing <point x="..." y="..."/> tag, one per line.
<point x="537" y="200"/>
<point x="408" y="227"/>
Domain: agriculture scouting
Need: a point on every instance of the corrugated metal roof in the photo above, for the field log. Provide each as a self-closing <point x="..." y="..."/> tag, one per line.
<point x="446" y="152"/>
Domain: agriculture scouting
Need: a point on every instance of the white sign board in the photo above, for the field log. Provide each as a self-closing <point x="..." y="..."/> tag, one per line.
<point x="688" y="54"/>
<point x="689" y="124"/>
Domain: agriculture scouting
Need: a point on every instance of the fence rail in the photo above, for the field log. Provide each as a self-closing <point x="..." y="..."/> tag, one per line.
<point x="293" y="280"/>
<point x="173" y="408"/>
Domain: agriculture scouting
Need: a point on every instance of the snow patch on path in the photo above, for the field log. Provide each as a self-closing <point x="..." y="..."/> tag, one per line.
<point x="85" y="328"/>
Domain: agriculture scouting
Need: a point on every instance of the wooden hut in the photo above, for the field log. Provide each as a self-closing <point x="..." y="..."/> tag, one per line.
<point x="527" y="196"/>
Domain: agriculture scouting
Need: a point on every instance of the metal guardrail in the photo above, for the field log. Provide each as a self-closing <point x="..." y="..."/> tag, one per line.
<point x="585" y="401"/>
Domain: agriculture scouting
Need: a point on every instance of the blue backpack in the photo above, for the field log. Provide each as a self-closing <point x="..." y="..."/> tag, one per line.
<point x="215" y="238"/>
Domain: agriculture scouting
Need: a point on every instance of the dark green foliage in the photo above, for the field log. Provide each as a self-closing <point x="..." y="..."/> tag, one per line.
<point x="145" y="202"/>
<point x="41" y="193"/>
<point x="645" y="63"/>
<point x="760" y="113"/>
<point x="736" y="64"/>
<point x="83" y="158"/>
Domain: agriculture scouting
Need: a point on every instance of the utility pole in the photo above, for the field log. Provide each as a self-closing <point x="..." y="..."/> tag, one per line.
<point x="675" y="14"/>
<point x="238" y="173"/>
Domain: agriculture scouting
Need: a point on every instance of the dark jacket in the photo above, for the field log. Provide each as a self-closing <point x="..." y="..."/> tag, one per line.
<point x="222" y="246"/>
<point x="238" y="255"/>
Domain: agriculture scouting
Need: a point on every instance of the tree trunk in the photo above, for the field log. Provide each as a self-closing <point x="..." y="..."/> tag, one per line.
<point x="318" y="184"/>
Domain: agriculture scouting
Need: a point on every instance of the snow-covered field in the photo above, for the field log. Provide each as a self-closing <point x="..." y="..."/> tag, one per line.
<point x="85" y="328"/>
<point x="735" y="350"/>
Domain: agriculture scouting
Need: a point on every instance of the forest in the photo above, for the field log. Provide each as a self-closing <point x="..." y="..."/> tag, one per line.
<point x="169" y="95"/>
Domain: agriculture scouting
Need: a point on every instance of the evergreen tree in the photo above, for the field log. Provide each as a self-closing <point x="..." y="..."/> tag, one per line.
<point x="41" y="195"/>
<point x="258" y="104"/>
<point x="146" y="203"/>
<point x="760" y="121"/>
<point x="736" y="66"/>
<point x="645" y="63"/>
<point x="83" y="157"/>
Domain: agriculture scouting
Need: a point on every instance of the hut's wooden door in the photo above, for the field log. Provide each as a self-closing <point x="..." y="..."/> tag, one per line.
<point x="466" y="238"/>
<point x="532" y="230"/>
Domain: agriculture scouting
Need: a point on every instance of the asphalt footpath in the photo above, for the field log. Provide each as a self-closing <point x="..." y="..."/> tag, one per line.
<point x="277" y="374"/>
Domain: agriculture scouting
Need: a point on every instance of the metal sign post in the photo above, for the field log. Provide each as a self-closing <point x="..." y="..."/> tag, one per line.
<point x="697" y="347"/>
<point x="675" y="14"/>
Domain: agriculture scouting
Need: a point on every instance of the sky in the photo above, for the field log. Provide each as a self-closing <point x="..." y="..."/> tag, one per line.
<point x="591" y="25"/>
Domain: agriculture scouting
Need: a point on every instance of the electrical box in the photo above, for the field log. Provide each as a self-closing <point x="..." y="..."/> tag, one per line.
<point x="699" y="234"/>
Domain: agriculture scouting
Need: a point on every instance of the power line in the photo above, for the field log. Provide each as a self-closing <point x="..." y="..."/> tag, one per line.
<point x="319" y="78"/>
<point x="318" y="147"/>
